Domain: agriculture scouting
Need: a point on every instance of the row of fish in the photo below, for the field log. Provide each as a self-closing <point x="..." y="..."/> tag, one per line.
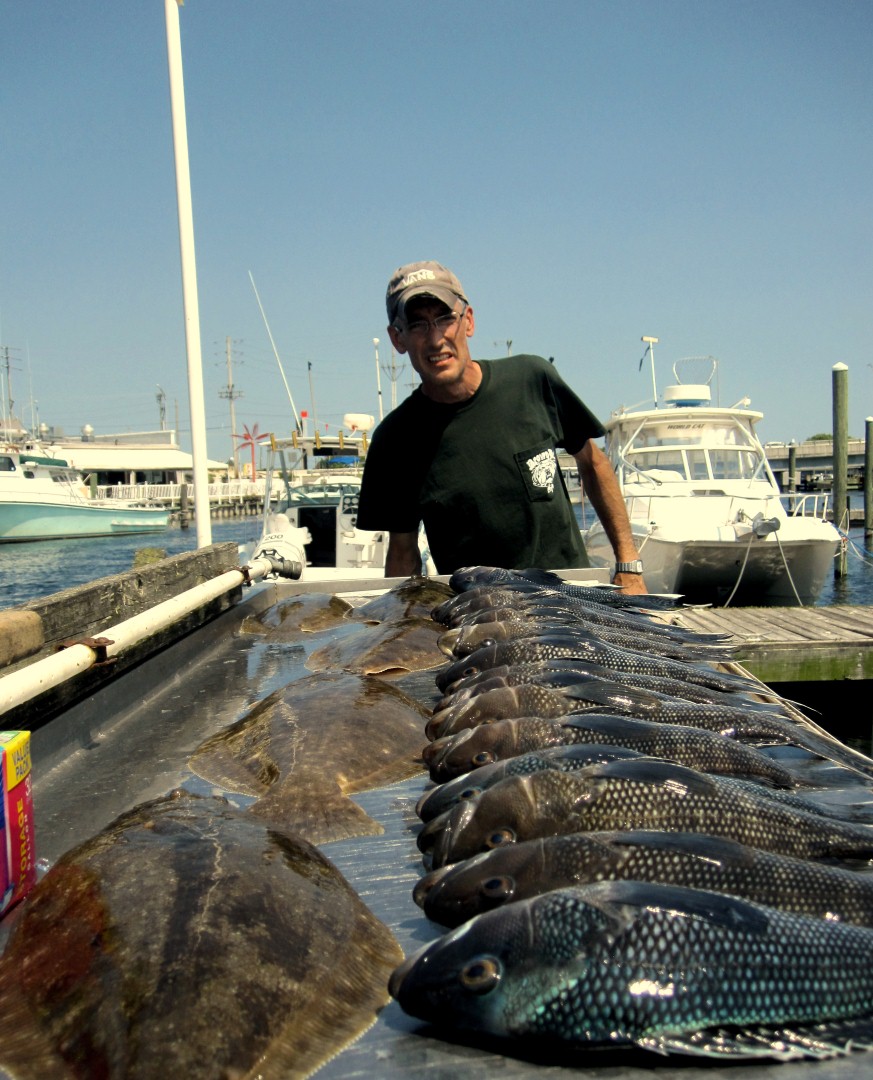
<point x="633" y="842"/>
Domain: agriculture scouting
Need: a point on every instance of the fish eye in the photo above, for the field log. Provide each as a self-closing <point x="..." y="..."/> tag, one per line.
<point x="484" y="757"/>
<point x="470" y="793"/>
<point x="471" y="669"/>
<point x="481" y="976"/>
<point x="498" y="888"/>
<point x="501" y="837"/>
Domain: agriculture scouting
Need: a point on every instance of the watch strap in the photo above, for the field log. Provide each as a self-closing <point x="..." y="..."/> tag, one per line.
<point x="635" y="567"/>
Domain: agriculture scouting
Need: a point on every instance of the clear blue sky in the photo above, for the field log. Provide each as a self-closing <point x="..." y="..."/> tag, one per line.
<point x="593" y="171"/>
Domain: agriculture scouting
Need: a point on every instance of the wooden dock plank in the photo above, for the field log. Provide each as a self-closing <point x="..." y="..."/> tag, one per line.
<point x="794" y="644"/>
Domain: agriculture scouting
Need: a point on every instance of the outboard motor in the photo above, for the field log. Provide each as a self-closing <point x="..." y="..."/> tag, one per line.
<point x="282" y="545"/>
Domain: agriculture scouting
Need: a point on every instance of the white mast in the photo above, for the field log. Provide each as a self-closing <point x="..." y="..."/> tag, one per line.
<point x="189" y="276"/>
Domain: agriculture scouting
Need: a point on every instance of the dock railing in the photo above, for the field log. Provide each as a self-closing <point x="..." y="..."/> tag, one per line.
<point x="232" y="496"/>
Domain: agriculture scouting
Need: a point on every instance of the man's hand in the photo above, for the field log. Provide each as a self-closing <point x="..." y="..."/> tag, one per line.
<point x="633" y="584"/>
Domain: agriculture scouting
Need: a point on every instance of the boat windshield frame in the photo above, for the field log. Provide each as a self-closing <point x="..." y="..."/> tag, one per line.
<point x="690" y="449"/>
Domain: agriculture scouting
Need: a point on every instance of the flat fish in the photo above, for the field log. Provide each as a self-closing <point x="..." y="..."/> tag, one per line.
<point x="306" y="613"/>
<point x="188" y="939"/>
<point x="637" y="794"/>
<point x="451" y="895"/>
<point x="306" y="747"/>
<point x="625" y="963"/>
<point x="414" y="598"/>
<point x="386" y="648"/>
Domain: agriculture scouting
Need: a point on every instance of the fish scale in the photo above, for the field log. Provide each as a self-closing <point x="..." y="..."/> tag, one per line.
<point x="465" y="640"/>
<point x="745" y="725"/>
<point x="587" y="646"/>
<point x="624" y="963"/>
<point x="632" y="795"/>
<point x="559" y="671"/>
<point x="694" y="747"/>
<point x="451" y="895"/>
<point x="470" y="577"/>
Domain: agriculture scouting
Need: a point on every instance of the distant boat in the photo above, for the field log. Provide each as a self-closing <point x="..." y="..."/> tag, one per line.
<point x="44" y="498"/>
<point x="311" y="519"/>
<point x="705" y="509"/>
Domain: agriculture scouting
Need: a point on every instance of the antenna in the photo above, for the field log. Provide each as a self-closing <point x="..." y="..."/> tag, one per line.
<point x="276" y="354"/>
<point x="651" y="342"/>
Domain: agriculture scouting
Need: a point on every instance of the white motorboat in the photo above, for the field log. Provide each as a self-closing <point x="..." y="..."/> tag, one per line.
<point x="311" y="520"/>
<point x="43" y="498"/>
<point x="705" y="508"/>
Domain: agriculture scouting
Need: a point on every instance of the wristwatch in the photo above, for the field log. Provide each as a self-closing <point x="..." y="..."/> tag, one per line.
<point x="635" y="567"/>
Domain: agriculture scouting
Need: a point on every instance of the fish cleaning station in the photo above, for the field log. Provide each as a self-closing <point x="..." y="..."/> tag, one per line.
<point x="230" y="723"/>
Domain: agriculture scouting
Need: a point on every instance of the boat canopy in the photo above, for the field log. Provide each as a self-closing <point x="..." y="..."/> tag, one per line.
<point x="689" y="449"/>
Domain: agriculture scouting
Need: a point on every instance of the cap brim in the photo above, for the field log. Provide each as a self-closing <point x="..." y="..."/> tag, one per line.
<point x="437" y="292"/>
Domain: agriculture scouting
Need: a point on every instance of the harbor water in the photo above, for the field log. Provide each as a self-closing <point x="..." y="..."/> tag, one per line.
<point x="31" y="570"/>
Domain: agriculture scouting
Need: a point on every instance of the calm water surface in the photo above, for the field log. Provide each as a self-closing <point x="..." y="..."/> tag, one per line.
<point x="28" y="571"/>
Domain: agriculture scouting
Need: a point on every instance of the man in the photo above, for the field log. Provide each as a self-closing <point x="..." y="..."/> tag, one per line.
<point x="471" y="452"/>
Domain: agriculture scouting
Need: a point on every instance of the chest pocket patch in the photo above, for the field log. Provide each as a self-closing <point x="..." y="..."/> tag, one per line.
<point x="539" y="471"/>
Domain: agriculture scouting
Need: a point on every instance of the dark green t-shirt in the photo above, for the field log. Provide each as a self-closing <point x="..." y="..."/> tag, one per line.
<point x="483" y="475"/>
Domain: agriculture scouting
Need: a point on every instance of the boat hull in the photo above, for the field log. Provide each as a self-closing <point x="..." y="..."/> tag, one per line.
<point x="743" y="570"/>
<point x="30" y="521"/>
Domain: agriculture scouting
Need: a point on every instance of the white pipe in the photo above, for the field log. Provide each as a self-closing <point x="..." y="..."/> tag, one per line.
<point x="21" y="686"/>
<point x="189" y="277"/>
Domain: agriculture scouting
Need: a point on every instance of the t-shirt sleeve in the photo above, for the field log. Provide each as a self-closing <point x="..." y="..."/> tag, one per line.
<point x="576" y="421"/>
<point x="389" y="495"/>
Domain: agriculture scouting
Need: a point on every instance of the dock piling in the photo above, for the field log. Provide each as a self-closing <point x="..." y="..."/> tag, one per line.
<point x="840" y="384"/>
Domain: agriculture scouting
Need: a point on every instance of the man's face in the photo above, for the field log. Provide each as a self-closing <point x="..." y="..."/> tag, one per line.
<point x="440" y="353"/>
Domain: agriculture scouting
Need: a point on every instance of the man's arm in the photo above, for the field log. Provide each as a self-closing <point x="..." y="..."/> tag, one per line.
<point x="403" y="558"/>
<point x="599" y="483"/>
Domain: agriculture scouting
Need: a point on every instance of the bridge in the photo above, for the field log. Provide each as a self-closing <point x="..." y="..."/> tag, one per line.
<point x="813" y="456"/>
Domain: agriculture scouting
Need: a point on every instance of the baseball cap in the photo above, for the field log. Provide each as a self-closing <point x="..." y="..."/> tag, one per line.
<point x="426" y="278"/>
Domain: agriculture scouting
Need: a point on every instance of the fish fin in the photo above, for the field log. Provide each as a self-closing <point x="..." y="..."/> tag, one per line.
<point x="820" y="1040"/>
<point x="319" y="817"/>
<point x="610" y="694"/>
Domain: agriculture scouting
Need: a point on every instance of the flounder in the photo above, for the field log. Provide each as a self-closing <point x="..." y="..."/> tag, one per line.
<point x="386" y="648"/>
<point x="189" y="940"/>
<point x="303" y="749"/>
<point x="306" y="613"/>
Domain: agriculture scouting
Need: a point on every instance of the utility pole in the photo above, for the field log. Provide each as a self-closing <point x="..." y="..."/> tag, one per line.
<point x="378" y="377"/>
<point x="231" y="396"/>
<point x="393" y="372"/>
<point x="6" y="400"/>
<point x="312" y="395"/>
<point x="162" y="406"/>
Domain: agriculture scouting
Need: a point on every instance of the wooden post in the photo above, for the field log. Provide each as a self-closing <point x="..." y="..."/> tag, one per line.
<point x="840" y="384"/>
<point x="868" y="482"/>
<point x="183" y="505"/>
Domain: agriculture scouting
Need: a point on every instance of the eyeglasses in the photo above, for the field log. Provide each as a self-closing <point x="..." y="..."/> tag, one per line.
<point x="445" y="324"/>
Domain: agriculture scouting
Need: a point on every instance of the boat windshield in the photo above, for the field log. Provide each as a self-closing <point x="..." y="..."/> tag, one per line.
<point x="694" y="451"/>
